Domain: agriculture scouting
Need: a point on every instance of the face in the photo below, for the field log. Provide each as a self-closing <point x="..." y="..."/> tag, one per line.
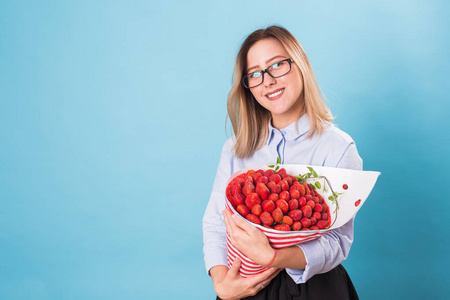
<point x="281" y="96"/>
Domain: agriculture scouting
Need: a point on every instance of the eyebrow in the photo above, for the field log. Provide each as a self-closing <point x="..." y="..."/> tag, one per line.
<point x="267" y="61"/>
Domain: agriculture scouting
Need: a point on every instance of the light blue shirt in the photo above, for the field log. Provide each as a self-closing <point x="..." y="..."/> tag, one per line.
<point x="332" y="148"/>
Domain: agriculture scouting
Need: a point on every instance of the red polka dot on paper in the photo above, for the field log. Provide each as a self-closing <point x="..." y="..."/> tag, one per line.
<point x="345" y="186"/>
<point x="357" y="202"/>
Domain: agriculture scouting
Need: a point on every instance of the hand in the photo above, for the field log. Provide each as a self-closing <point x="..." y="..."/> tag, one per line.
<point x="248" y="239"/>
<point x="229" y="285"/>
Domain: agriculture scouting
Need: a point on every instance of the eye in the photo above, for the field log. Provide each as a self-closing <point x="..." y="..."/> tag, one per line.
<point x="276" y="65"/>
<point x="255" y="75"/>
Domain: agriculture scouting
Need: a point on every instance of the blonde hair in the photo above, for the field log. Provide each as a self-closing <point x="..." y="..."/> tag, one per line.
<point x="248" y="118"/>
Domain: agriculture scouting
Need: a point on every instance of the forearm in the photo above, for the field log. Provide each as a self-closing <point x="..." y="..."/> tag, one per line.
<point x="290" y="257"/>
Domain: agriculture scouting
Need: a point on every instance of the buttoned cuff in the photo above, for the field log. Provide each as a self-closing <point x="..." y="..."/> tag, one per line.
<point x="315" y="260"/>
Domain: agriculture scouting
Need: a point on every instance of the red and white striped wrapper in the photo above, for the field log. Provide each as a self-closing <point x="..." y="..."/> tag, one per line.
<point x="277" y="239"/>
<point x="361" y="183"/>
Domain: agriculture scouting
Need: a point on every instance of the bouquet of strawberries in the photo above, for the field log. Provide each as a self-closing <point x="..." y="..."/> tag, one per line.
<point x="291" y="209"/>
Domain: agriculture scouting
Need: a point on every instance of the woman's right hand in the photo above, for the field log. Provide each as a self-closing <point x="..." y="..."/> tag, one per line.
<point x="229" y="285"/>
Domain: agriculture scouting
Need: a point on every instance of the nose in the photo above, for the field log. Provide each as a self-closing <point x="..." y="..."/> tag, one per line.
<point x="269" y="80"/>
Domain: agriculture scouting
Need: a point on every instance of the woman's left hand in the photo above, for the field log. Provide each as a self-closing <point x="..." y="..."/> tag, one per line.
<point x="248" y="239"/>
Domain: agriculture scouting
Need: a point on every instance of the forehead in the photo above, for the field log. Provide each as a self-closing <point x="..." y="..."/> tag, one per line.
<point x="264" y="50"/>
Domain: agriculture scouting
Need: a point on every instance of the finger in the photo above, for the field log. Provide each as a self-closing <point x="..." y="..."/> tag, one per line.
<point x="264" y="276"/>
<point x="234" y="270"/>
<point x="242" y="224"/>
<point x="226" y="219"/>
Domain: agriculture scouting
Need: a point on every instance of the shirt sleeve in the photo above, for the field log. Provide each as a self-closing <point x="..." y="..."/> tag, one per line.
<point x="325" y="253"/>
<point x="214" y="230"/>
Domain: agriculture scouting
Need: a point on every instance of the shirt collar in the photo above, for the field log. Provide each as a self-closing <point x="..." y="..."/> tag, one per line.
<point x="291" y="132"/>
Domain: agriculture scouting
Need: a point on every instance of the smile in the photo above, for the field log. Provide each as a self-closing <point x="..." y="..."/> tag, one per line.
<point x="273" y="95"/>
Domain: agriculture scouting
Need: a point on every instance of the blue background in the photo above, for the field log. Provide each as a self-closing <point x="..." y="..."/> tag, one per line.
<point x="112" y="119"/>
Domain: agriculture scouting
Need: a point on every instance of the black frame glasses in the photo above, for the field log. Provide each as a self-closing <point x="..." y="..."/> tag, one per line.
<point x="245" y="78"/>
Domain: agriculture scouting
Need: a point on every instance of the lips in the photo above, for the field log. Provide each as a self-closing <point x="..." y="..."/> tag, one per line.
<point x="275" y="94"/>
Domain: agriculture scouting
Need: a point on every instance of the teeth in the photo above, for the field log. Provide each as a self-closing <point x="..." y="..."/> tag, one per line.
<point x="275" y="94"/>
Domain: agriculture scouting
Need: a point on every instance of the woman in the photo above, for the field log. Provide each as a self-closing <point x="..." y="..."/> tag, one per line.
<point x="276" y="109"/>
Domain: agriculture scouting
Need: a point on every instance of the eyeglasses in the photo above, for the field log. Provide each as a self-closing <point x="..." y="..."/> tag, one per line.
<point x="276" y="70"/>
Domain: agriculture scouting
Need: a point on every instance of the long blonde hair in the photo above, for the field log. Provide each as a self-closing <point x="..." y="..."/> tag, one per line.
<point x="248" y="118"/>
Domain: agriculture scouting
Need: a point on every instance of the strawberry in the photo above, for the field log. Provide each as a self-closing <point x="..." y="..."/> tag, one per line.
<point x="276" y="189"/>
<point x="248" y="188"/>
<point x="324" y="216"/>
<point x="266" y="218"/>
<point x="295" y="194"/>
<point x="275" y="178"/>
<point x="322" y="224"/>
<point x="295" y="214"/>
<point x="282" y="227"/>
<point x="262" y="191"/>
<point x="296" y="226"/>
<point x="318" y="207"/>
<point x="284" y="185"/>
<point x="284" y="195"/>
<point x="257" y="210"/>
<point x="268" y="173"/>
<point x="313" y="228"/>
<point x="287" y="220"/>
<point x="273" y="197"/>
<point x="306" y="212"/>
<point x="238" y="199"/>
<point x="243" y="210"/>
<point x="277" y="215"/>
<point x="268" y="206"/>
<point x="301" y="201"/>
<point x="262" y="179"/>
<point x="252" y="199"/>
<point x="293" y="204"/>
<point x="253" y="219"/>
<point x="317" y="215"/>
<point x="283" y="205"/>
<point x="306" y="223"/>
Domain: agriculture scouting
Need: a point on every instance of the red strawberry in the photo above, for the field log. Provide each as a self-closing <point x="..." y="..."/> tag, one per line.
<point x="287" y="220"/>
<point x="306" y="223"/>
<point x="243" y="210"/>
<point x="306" y="211"/>
<point x="273" y="197"/>
<point x="324" y="207"/>
<point x="257" y="210"/>
<point x="262" y="191"/>
<point x="238" y="199"/>
<point x="251" y="173"/>
<point x="324" y="216"/>
<point x="268" y="206"/>
<point x="282" y="171"/>
<point x="268" y="173"/>
<point x="322" y="224"/>
<point x="248" y="188"/>
<point x="282" y="227"/>
<point x="316" y="199"/>
<point x="311" y="203"/>
<point x="283" y="205"/>
<point x="253" y="219"/>
<point x="313" y="228"/>
<point x="288" y="179"/>
<point x="262" y="179"/>
<point x="295" y="214"/>
<point x="275" y="178"/>
<point x="276" y="189"/>
<point x="295" y="194"/>
<point x="277" y="215"/>
<point x="256" y="176"/>
<point x="293" y="204"/>
<point x="296" y="226"/>
<point x="266" y="218"/>
<point x="252" y="199"/>
<point x="284" y="185"/>
<point x="318" y="207"/>
<point x="313" y="220"/>
<point x="317" y="215"/>
<point x="284" y="195"/>
<point x="301" y="201"/>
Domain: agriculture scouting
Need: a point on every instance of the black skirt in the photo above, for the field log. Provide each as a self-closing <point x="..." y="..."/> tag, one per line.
<point x="335" y="284"/>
